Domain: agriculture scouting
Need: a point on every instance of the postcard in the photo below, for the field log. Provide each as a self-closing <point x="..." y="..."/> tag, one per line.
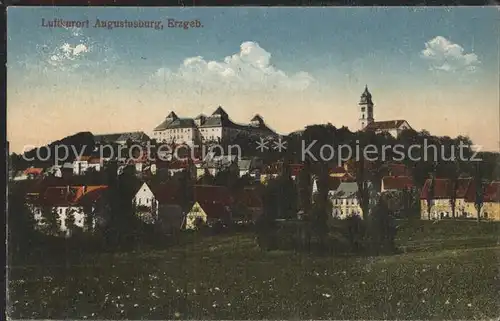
<point x="253" y="163"/>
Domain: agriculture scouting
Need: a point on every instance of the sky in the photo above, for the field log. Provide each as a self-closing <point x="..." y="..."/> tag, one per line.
<point x="437" y="68"/>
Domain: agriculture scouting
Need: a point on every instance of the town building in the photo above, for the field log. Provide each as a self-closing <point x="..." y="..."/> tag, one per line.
<point x="439" y="192"/>
<point x="29" y="173"/>
<point x="367" y="119"/>
<point x="345" y="200"/>
<point x="83" y="163"/>
<point x="490" y="209"/>
<point x="215" y="164"/>
<point x="217" y="127"/>
<point x="279" y="168"/>
<point x="250" y="166"/>
<point x="159" y="204"/>
<point x="63" y="201"/>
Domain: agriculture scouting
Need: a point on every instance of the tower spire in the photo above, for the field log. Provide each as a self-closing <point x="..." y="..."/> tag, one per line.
<point x="365" y="108"/>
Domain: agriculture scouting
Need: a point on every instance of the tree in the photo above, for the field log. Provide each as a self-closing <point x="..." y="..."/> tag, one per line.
<point x="430" y="196"/>
<point x="88" y="218"/>
<point x="304" y="189"/>
<point x="321" y="209"/>
<point x="381" y="229"/>
<point x="122" y="223"/>
<point x="207" y="178"/>
<point x="20" y="222"/>
<point x="453" y="186"/>
<point x="51" y="221"/>
<point x="479" y="192"/>
<point x="92" y="176"/>
<point x="185" y="191"/>
<point x="363" y="193"/>
<point x="69" y="221"/>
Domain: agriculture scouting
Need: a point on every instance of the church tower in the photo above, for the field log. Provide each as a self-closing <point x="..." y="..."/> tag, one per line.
<point x="365" y="109"/>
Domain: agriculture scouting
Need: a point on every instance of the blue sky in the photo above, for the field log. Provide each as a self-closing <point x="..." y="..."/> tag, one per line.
<point x="329" y="53"/>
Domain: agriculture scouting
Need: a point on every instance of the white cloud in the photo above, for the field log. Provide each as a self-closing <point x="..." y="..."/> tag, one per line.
<point x="67" y="53"/>
<point x="448" y="56"/>
<point x="250" y="68"/>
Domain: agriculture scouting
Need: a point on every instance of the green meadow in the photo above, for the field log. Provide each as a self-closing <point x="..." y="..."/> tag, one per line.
<point x="444" y="270"/>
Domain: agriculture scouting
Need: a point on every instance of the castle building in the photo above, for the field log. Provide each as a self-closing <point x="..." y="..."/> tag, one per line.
<point x="214" y="128"/>
<point x="367" y="120"/>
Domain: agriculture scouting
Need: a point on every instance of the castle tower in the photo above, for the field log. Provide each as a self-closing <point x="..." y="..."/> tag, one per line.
<point x="365" y="109"/>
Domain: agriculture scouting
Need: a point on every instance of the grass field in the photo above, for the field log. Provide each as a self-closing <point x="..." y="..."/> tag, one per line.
<point x="448" y="270"/>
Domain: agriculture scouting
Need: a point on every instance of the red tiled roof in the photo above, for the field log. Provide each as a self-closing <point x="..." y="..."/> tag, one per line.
<point x="491" y="193"/>
<point x="340" y="173"/>
<point x="442" y="188"/>
<point x="462" y="186"/>
<point x="71" y="195"/>
<point x="385" y="125"/>
<point x="92" y="194"/>
<point x="397" y="182"/>
<point x="398" y="170"/>
<point x="216" y="201"/>
<point x="62" y="195"/>
<point x="33" y="171"/>
<point x="337" y="170"/>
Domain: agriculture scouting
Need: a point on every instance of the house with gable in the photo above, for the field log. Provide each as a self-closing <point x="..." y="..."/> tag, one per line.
<point x="440" y="196"/>
<point x="76" y="201"/>
<point x="345" y="200"/>
<point x="490" y="209"/>
<point x="159" y="203"/>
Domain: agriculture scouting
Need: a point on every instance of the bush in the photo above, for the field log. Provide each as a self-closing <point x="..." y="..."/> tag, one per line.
<point x="381" y="230"/>
<point x="265" y="228"/>
<point x="355" y="232"/>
